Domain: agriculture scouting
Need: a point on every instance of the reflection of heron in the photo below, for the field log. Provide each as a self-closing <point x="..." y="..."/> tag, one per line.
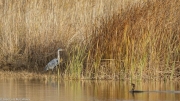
<point x="53" y="63"/>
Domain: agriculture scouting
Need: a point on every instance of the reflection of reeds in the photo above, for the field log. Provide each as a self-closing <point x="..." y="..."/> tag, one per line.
<point x="138" y="40"/>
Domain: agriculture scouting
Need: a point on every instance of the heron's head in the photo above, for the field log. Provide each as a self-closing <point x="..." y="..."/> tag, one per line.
<point x="60" y="49"/>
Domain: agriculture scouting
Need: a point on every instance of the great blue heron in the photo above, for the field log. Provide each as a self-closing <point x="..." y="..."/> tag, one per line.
<point x="53" y="63"/>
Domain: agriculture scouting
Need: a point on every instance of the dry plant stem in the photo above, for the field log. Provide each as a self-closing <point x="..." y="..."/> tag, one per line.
<point x="138" y="39"/>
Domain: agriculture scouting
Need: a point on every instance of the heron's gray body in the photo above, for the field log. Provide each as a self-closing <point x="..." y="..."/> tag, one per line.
<point x="52" y="64"/>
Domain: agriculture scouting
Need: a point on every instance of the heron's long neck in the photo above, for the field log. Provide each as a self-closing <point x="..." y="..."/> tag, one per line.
<point x="58" y="57"/>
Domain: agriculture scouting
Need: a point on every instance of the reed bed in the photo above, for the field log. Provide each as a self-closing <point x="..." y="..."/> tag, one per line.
<point x="31" y="31"/>
<point x="141" y="42"/>
<point x="104" y="39"/>
<point x="23" y="75"/>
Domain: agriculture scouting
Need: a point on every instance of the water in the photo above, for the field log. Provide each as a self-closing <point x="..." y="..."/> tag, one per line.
<point x="86" y="90"/>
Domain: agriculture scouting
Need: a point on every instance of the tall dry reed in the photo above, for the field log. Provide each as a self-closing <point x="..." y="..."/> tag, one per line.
<point x="104" y="39"/>
<point x="31" y="31"/>
<point x="142" y="41"/>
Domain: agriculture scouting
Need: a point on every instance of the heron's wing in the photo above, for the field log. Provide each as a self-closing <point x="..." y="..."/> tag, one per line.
<point x="53" y="63"/>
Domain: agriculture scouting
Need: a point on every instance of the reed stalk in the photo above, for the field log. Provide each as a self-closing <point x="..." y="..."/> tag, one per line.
<point x="139" y="38"/>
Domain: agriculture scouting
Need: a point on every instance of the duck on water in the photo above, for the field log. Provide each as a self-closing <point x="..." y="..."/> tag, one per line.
<point x="135" y="91"/>
<point x="140" y="91"/>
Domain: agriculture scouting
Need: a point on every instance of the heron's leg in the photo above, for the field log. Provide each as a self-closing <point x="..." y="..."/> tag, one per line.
<point x="49" y="74"/>
<point x="56" y="68"/>
<point x="58" y="71"/>
<point x="52" y="71"/>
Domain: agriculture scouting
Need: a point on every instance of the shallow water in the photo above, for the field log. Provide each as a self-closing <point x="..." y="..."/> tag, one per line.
<point x="87" y="90"/>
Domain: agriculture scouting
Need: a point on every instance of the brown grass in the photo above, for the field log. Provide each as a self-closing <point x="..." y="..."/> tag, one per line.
<point x="142" y="42"/>
<point x="31" y="31"/>
<point x="22" y="75"/>
<point x="103" y="39"/>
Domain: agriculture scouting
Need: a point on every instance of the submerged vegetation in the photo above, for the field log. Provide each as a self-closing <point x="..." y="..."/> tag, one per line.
<point x="119" y="39"/>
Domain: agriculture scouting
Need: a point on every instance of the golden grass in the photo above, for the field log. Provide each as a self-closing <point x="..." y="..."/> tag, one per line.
<point x="31" y="31"/>
<point x="104" y="39"/>
<point x="21" y="75"/>
<point x="143" y="42"/>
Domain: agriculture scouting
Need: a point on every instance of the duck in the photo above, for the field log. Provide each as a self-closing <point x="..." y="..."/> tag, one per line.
<point x="133" y="89"/>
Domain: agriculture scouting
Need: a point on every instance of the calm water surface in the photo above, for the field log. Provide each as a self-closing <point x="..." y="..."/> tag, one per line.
<point x="40" y="90"/>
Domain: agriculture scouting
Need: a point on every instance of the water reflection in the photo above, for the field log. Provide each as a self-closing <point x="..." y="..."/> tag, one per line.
<point x="92" y="90"/>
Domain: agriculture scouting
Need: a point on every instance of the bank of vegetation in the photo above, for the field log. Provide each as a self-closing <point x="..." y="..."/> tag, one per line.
<point x="102" y="39"/>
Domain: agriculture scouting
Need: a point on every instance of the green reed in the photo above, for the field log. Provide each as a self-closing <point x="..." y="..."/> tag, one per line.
<point x="76" y="60"/>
